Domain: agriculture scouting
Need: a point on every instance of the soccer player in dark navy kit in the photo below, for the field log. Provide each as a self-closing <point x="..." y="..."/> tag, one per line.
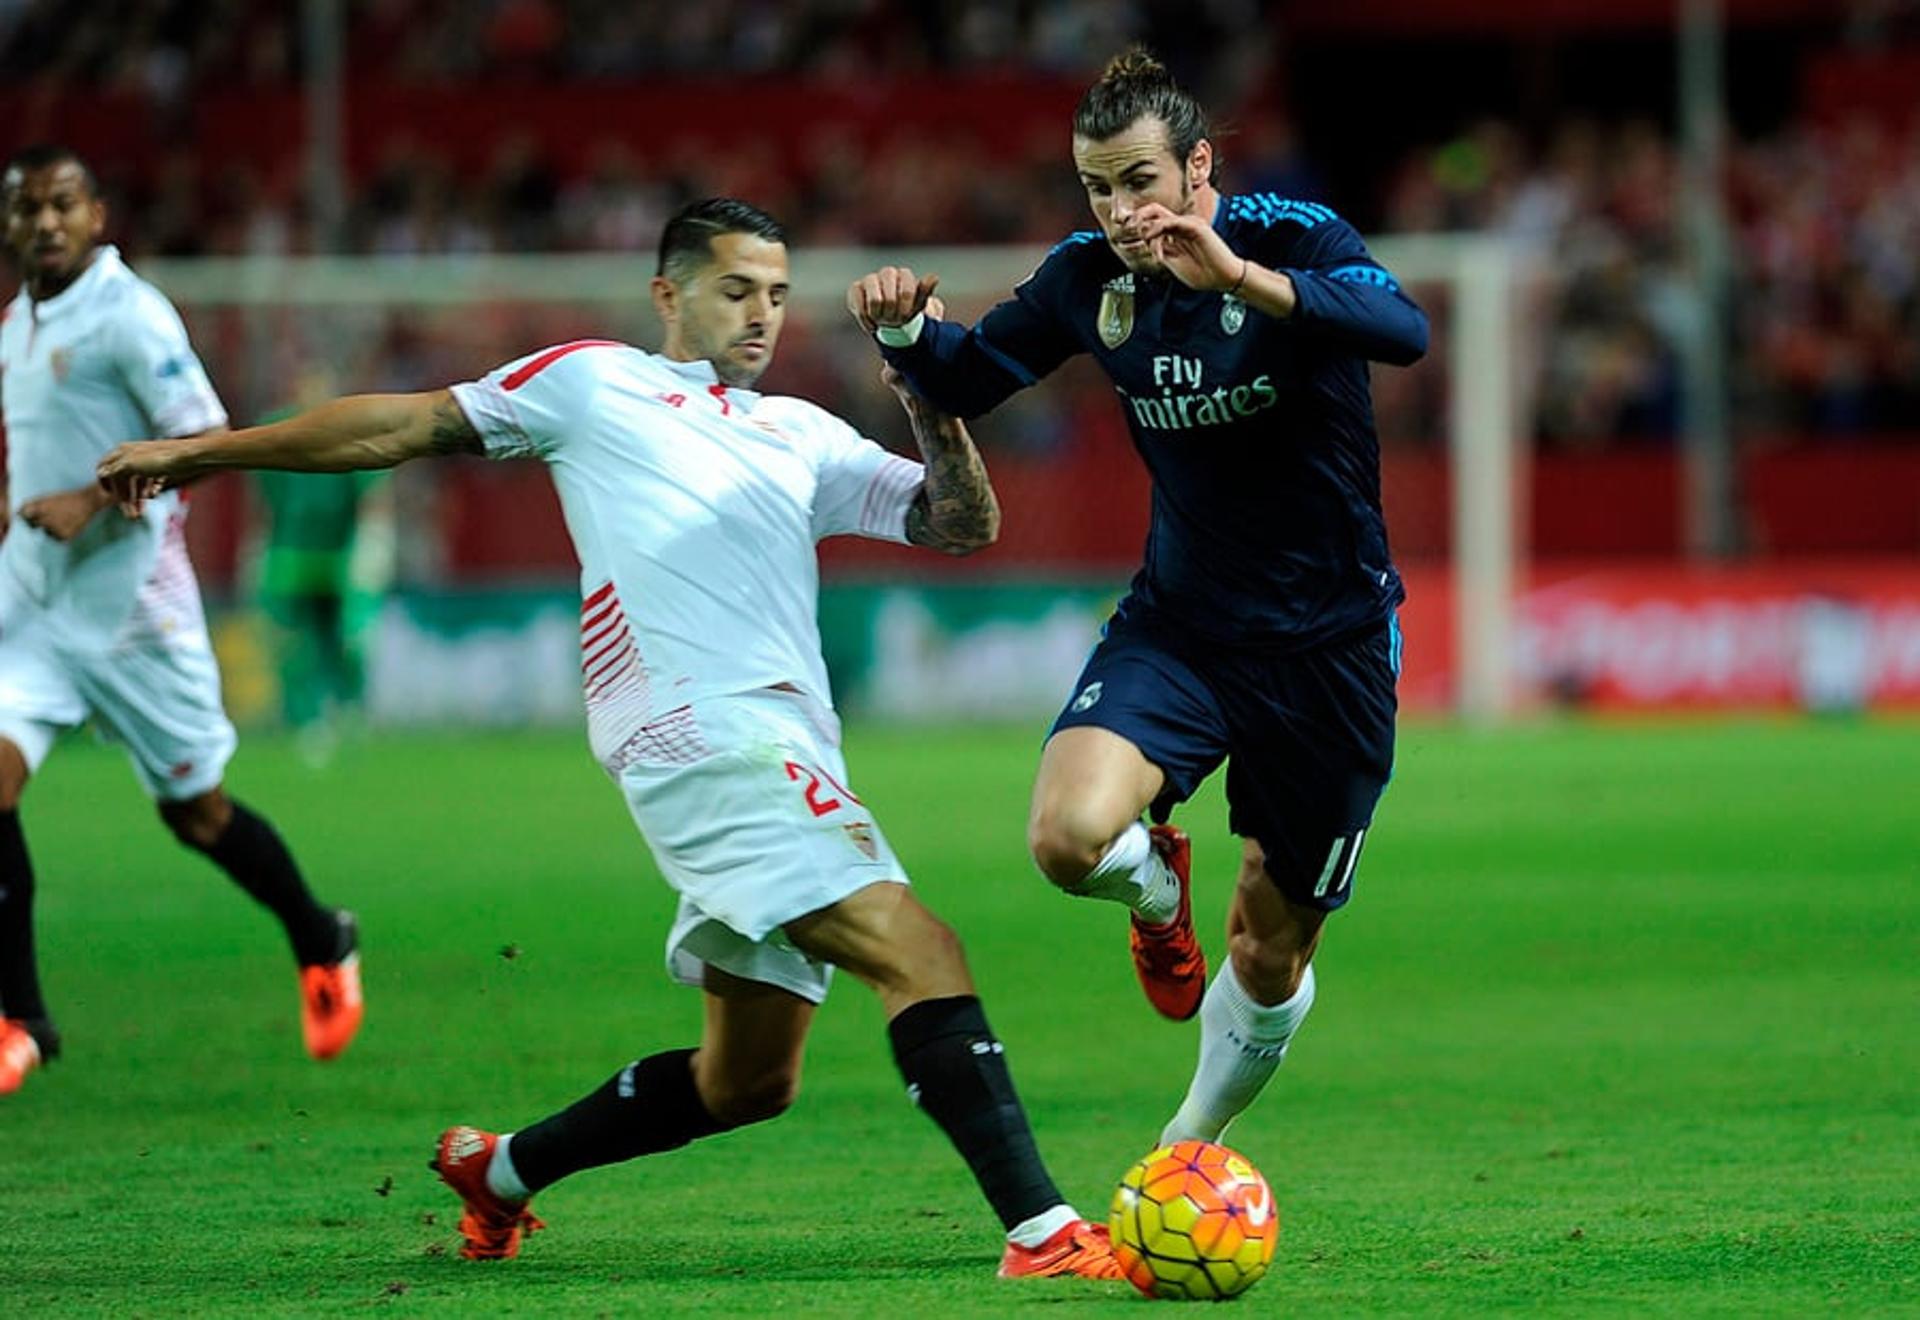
<point x="1260" y="631"/>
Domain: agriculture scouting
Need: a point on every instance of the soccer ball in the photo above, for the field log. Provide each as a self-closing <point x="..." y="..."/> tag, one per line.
<point x="1195" y="1222"/>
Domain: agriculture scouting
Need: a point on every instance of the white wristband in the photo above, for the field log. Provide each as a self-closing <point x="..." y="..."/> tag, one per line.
<point x="902" y="336"/>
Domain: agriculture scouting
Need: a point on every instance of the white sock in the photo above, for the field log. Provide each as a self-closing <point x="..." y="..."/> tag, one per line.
<point x="1241" y="1043"/>
<point x="1032" y="1232"/>
<point x="503" y="1180"/>
<point x="1131" y="872"/>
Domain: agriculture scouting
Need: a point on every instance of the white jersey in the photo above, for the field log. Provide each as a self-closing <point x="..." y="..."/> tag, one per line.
<point x="694" y="508"/>
<point x="105" y="361"/>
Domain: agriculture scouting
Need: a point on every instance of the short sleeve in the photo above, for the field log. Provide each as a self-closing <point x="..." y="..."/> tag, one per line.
<point x="527" y="408"/>
<point x="161" y="370"/>
<point x="864" y="489"/>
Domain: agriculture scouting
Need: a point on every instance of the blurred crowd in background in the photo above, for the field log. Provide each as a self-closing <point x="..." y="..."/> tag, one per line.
<point x="1825" y="216"/>
<point x="1826" y="250"/>
<point x="163" y="46"/>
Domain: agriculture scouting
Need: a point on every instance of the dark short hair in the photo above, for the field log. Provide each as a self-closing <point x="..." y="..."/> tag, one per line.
<point x="45" y="155"/>
<point x="1135" y="84"/>
<point x="687" y="241"/>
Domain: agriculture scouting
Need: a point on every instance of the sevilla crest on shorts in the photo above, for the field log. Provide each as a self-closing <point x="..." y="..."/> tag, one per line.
<point x="860" y="834"/>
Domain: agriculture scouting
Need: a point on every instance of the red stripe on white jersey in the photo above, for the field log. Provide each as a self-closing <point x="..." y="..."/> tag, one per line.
<point x="598" y="620"/>
<point x="619" y="667"/>
<point x="588" y="665"/>
<point x="527" y="372"/>
<point x="590" y="642"/>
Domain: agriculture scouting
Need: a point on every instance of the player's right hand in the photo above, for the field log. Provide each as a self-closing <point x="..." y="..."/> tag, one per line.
<point x="134" y="473"/>
<point x="889" y="296"/>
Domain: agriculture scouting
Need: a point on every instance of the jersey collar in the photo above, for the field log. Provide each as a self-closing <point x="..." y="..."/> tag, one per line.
<point x="700" y="372"/>
<point x="106" y="260"/>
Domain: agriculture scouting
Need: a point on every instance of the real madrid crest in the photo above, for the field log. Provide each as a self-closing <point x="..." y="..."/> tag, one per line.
<point x="1233" y="314"/>
<point x="1114" y="320"/>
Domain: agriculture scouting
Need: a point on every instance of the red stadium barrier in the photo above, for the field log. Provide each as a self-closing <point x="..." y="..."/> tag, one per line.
<point x="1832" y="634"/>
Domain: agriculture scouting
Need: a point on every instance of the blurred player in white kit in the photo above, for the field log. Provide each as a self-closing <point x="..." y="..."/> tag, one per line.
<point x="100" y="615"/>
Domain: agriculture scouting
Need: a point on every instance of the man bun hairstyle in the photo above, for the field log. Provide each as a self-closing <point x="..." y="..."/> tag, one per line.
<point x="686" y="244"/>
<point x="1135" y="84"/>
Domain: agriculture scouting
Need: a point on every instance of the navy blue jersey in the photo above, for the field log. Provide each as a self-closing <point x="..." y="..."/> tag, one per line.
<point x="1258" y="431"/>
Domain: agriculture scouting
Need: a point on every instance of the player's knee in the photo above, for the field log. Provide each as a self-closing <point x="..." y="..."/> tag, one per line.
<point x="197" y="822"/>
<point x="925" y="959"/>
<point x="938" y="949"/>
<point x="1065" y="848"/>
<point x="13" y="775"/>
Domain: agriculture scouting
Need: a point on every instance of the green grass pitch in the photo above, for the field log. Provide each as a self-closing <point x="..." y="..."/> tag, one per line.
<point x="1623" y="1019"/>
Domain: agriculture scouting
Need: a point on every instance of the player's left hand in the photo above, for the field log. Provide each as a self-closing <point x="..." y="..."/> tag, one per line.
<point x="1191" y="249"/>
<point x="64" y="514"/>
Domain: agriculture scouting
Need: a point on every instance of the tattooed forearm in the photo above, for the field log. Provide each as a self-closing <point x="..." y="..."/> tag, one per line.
<point x="451" y="432"/>
<point x="956" y="511"/>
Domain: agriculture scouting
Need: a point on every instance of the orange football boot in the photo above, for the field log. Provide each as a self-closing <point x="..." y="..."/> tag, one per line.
<point x="1081" y="1249"/>
<point x="19" y="1054"/>
<point x="491" y="1226"/>
<point x="331" y="1004"/>
<point x="1168" y="959"/>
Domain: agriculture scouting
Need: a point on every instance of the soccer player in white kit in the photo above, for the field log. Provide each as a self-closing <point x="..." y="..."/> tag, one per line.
<point x="100" y="615"/>
<point x="695" y="504"/>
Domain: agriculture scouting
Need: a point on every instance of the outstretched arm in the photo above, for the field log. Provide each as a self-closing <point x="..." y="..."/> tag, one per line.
<point x="365" y="431"/>
<point x="955" y="511"/>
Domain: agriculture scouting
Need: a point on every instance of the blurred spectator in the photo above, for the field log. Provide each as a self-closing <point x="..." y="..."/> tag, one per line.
<point x="1826" y="250"/>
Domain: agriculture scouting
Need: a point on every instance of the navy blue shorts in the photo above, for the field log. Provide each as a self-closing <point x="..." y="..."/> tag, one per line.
<point x="1307" y="737"/>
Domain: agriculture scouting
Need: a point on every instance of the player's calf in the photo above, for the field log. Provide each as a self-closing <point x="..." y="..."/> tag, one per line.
<point x="650" y="1105"/>
<point x="247" y="847"/>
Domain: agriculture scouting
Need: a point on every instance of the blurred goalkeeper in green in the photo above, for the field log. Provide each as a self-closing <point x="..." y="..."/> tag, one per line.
<point x="326" y="561"/>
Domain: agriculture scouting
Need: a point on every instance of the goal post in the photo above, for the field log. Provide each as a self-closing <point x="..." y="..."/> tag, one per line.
<point x="1483" y="274"/>
<point x="1480" y="277"/>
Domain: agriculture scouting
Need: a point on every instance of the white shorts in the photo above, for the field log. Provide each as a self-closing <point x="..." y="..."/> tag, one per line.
<point x="162" y="702"/>
<point x="748" y="813"/>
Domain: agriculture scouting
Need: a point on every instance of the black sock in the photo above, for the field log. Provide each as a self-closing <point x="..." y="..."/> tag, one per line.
<point x="251" y="852"/>
<point x="955" y="1070"/>
<point x="19" y="969"/>
<point x="648" y="1106"/>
